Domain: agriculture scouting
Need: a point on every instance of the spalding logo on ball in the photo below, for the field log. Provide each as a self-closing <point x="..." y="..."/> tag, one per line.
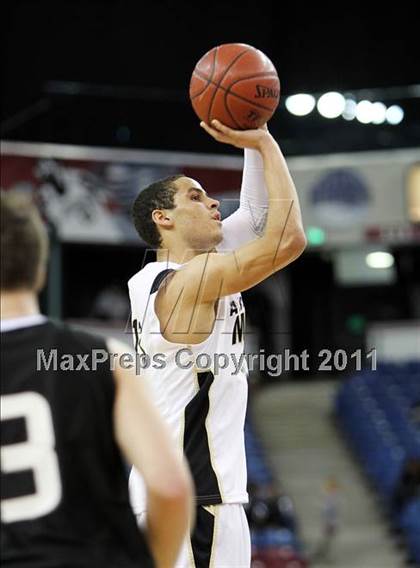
<point x="236" y="84"/>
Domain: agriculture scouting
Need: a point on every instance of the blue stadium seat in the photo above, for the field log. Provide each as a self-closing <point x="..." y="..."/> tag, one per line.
<point x="375" y="410"/>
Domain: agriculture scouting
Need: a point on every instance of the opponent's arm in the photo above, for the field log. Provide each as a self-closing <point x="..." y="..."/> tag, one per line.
<point x="210" y="276"/>
<point x="145" y="442"/>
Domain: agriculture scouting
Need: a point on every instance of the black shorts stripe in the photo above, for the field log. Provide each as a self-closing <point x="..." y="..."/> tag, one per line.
<point x="202" y="538"/>
<point x="196" y="443"/>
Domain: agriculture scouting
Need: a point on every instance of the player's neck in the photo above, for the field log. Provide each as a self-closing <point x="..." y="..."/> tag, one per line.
<point x="17" y="304"/>
<point x="180" y="256"/>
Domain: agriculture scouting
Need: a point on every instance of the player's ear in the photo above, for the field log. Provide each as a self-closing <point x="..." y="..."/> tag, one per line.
<point x="162" y="218"/>
<point x="41" y="278"/>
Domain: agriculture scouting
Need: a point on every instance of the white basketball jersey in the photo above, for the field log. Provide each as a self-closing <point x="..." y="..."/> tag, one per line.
<point x="203" y="404"/>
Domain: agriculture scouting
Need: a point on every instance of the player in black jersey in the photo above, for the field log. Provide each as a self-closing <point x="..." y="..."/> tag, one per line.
<point x="64" y="489"/>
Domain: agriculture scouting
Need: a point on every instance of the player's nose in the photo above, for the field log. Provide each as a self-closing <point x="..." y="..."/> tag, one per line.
<point x="214" y="204"/>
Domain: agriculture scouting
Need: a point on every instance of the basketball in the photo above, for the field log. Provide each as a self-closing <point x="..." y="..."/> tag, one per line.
<point x="236" y="84"/>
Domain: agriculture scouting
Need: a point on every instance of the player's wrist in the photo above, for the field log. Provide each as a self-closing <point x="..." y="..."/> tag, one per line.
<point x="252" y="160"/>
<point x="266" y="143"/>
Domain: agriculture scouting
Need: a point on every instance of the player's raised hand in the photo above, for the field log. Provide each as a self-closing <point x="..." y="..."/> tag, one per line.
<point x="239" y="138"/>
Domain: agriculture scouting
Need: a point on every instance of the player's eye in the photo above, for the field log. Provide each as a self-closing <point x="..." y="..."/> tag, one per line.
<point x="195" y="196"/>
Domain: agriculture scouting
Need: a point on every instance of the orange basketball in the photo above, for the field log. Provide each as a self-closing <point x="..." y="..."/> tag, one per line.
<point x="237" y="84"/>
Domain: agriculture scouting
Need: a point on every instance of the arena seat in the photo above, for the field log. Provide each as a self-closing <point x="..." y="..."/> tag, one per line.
<point x="378" y="412"/>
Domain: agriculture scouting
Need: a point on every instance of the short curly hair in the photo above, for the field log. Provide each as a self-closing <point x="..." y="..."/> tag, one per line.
<point x="158" y="195"/>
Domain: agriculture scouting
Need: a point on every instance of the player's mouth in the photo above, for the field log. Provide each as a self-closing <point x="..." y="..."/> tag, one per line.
<point x="217" y="217"/>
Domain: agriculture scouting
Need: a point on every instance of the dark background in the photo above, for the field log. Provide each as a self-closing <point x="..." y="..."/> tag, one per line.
<point x="127" y="65"/>
<point x="116" y="73"/>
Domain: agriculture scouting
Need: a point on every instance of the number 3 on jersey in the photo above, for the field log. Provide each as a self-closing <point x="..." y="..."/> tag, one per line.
<point x="37" y="454"/>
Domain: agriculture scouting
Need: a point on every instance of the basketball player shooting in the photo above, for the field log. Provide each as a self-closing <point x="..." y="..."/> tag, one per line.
<point x="188" y="305"/>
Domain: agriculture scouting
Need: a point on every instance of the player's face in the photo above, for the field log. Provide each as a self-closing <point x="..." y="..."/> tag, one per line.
<point x="196" y="215"/>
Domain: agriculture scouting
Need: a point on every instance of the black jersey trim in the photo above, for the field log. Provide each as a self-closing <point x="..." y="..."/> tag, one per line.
<point x="196" y="443"/>
<point x="202" y="538"/>
<point x="159" y="279"/>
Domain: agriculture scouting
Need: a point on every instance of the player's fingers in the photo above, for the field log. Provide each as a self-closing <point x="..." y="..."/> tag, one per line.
<point x="222" y="128"/>
<point x="213" y="132"/>
<point x="208" y="128"/>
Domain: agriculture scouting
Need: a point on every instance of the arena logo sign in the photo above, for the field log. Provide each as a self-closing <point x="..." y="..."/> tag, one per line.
<point x="341" y="199"/>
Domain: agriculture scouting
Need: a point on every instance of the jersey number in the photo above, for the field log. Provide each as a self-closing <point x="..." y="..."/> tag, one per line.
<point x="36" y="454"/>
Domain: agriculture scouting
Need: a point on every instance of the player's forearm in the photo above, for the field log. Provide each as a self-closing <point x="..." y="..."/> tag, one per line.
<point x="145" y="442"/>
<point x="168" y="521"/>
<point x="284" y="219"/>
<point x="254" y="195"/>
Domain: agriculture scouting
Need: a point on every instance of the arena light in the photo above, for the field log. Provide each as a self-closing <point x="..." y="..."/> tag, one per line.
<point x="394" y="114"/>
<point x="349" y="112"/>
<point x="316" y="236"/>
<point x="364" y="112"/>
<point x="378" y="113"/>
<point x="300" y="104"/>
<point x="331" y="105"/>
<point x="379" y="259"/>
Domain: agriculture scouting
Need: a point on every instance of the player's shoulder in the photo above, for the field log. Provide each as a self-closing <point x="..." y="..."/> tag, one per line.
<point x="142" y="273"/>
<point x="77" y="337"/>
<point x="146" y="276"/>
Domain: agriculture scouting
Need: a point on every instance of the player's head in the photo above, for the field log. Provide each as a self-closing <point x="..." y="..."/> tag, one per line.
<point x="176" y="210"/>
<point x="24" y="245"/>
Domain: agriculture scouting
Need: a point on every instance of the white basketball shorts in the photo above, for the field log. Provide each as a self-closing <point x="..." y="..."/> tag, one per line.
<point x="220" y="538"/>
